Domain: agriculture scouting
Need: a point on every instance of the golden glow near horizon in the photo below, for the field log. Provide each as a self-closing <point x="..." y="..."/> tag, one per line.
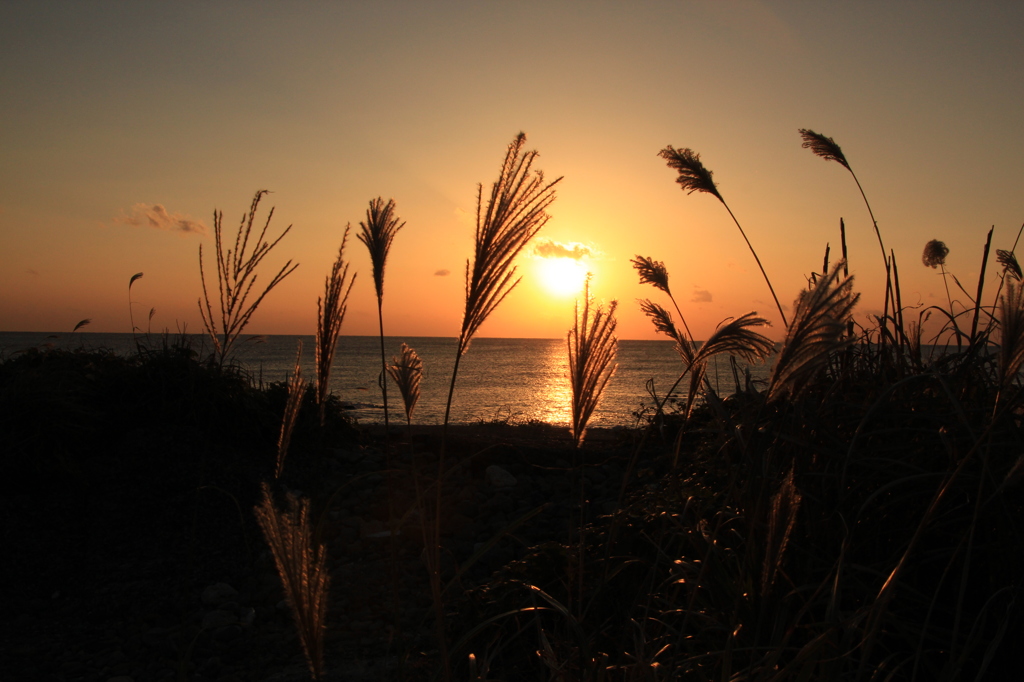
<point x="114" y="166"/>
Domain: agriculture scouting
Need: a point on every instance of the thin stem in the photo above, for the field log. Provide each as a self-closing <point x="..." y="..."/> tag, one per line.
<point x="872" y="214"/>
<point x="383" y="362"/>
<point x="981" y="287"/>
<point x="949" y="299"/>
<point x="763" y="273"/>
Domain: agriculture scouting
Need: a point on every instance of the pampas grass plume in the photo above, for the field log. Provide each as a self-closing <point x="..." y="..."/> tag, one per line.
<point x="330" y="316"/>
<point x="296" y="389"/>
<point x="1009" y="262"/>
<point x="693" y="176"/>
<point x="302" y="569"/>
<point x="819" y="322"/>
<point x="592" y="350"/>
<point x="825" y="147"/>
<point x="652" y="272"/>
<point x="407" y="372"/>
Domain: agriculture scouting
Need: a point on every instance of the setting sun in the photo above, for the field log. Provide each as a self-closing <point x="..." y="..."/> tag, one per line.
<point x="562" y="276"/>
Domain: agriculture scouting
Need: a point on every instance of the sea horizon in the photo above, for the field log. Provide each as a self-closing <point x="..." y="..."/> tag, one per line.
<point x="514" y="380"/>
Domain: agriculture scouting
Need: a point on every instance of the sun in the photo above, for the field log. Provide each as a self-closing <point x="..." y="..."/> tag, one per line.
<point x="562" y="276"/>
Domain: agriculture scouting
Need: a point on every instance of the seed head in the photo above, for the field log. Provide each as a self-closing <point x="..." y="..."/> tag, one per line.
<point x="935" y="253"/>
<point x="825" y="147"/>
<point x="652" y="272"/>
<point x="693" y="176"/>
<point x="1009" y="262"/>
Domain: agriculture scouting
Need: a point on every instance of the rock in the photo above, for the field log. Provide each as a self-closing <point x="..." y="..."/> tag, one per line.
<point x="215" y="595"/>
<point x="374" y="530"/>
<point x="228" y="633"/>
<point x="498" y="477"/>
<point x="219" y="619"/>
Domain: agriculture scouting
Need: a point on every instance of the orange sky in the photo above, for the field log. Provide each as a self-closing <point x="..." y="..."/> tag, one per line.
<point x="110" y="110"/>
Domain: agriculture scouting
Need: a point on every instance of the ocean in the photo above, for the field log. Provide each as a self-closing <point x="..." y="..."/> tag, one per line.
<point x="514" y="380"/>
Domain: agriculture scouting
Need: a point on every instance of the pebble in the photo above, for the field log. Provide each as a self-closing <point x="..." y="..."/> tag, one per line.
<point x="499" y="478"/>
<point x="215" y="595"/>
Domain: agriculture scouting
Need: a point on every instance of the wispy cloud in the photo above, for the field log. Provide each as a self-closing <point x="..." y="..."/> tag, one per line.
<point x="700" y="296"/>
<point x="156" y="216"/>
<point x="442" y="273"/>
<point x="549" y="248"/>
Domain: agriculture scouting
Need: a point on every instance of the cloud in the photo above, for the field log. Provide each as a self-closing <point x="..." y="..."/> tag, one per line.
<point x="549" y="248"/>
<point x="700" y="296"/>
<point x="442" y="273"/>
<point x="156" y="216"/>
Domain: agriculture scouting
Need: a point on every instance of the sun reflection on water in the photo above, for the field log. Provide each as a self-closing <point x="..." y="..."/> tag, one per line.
<point x="552" y="397"/>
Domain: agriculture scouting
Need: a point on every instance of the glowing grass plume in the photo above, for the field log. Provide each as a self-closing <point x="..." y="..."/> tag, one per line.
<point x="820" y="318"/>
<point x="1011" y="325"/>
<point x="407" y="372"/>
<point x="655" y="273"/>
<point x="514" y="213"/>
<point x="592" y="350"/>
<point x="296" y="389"/>
<point x="301" y="565"/>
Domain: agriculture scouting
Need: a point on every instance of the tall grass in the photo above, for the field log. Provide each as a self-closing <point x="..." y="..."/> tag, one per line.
<point x="817" y="332"/>
<point x="131" y="314"/>
<point x="377" y="233"/>
<point x="293" y="402"/>
<point x="592" y="349"/>
<point x="407" y="373"/>
<point x="515" y="210"/>
<point x="331" y="311"/>
<point x="236" y="270"/>
<point x="828" y="149"/>
<point x="854" y="517"/>
<point x="301" y="566"/>
<point x="839" y="521"/>
<point x="694" y="177"/>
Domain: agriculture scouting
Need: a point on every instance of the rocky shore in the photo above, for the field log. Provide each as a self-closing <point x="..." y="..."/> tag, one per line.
<point x="150" y="566"/>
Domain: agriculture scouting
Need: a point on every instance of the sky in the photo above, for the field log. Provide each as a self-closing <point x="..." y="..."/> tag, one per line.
<point x="125" y="125"/>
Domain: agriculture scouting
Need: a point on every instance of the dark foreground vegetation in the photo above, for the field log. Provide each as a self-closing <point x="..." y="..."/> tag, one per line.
<point x="857" y="516"/>
<point x="869" y="529"/>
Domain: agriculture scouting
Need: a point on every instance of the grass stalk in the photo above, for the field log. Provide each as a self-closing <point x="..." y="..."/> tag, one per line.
<point x="330" y="316"/>
<point x="296" y="390"/>
<point x="694" y="177"/>
<point x="301" y="566"/>
<point x="131" y="313"/>
<point x="236" y="270"/>
<point x="515" y="211"/>
<point x="974" y="340"/>
<point x="592" y="348"/>
<point x="377" y="233"/>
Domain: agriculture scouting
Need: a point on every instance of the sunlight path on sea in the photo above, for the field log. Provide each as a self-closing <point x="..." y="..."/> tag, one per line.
<point x="513" y="380"/>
